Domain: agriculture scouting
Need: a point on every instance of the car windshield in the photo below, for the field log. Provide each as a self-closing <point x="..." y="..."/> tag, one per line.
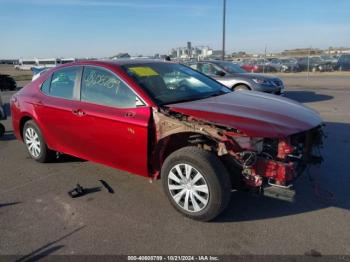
<point x="230" y="67"/>
<point x="169" y="83"/>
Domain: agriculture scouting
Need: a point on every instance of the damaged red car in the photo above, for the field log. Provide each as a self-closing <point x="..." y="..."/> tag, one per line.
<point x="165" y="120"/>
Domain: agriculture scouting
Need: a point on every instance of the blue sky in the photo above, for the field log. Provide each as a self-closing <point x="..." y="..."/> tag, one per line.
<point x="78" y="28"/>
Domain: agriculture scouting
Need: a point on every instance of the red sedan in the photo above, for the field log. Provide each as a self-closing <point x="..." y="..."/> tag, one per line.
<point x="165" y="120"/>
<point x="252" y="68"/>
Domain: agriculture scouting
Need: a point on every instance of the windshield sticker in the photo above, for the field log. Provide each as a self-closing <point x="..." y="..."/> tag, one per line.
<point x="143" y="71"/>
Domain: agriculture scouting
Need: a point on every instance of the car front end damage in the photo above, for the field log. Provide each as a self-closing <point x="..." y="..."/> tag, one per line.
<point x="271" y="166"/>
<point x="261" y="164"/>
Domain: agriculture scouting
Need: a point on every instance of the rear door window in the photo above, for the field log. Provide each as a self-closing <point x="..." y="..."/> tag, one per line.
<point x="45" y="87"/>
<point x="64" y="81"/>
<point x="102" y="87"/>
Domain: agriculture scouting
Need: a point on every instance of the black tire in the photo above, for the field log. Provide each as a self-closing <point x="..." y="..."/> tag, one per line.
<point x="241" y="87"/>
<point x="45" y="155"/>
<point x="2" y="130"/>
<point x="214" y="173"/>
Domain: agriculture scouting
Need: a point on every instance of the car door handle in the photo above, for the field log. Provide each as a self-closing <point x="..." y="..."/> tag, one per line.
<point x="130" y="114"/>
<point x="78" y="112"/>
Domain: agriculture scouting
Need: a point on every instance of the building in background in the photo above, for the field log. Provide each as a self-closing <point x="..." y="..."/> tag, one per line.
<point x="191" y="52"/>
<point x="338" y="50"/>
<point x="302" y="52"/>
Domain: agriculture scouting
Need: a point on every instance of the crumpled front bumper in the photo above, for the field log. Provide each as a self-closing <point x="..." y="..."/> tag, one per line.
<point x="275" y="174"/>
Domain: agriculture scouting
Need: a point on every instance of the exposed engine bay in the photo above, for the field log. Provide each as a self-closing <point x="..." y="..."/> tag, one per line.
<point x="261" y="161"/>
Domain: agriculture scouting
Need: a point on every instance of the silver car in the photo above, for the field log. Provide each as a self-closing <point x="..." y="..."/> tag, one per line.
<point x="234" y="77"/>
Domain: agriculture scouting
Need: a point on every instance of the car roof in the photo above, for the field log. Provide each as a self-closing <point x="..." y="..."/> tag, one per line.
<point x="122" y="62"/>
<point x="117" y="62"/>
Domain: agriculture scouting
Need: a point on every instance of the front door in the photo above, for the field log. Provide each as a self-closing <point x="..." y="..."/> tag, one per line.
<point x="114" y="122"/>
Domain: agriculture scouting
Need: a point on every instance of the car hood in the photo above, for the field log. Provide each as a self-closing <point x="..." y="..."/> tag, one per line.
<point x="254" y="113"/>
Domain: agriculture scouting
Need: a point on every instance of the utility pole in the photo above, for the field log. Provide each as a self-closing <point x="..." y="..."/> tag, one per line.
<point x="264" y="59"/>
<point x="308" y="64"/>
<point x="223" y="30"/>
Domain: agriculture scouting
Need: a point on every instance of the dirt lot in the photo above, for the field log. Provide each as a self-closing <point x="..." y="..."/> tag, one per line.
<point x="39" y="218"/>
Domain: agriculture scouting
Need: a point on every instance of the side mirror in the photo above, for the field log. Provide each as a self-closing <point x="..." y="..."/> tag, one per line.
<point x="220" y="73"/>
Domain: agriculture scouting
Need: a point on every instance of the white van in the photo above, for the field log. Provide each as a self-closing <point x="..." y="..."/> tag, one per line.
<point x="26" y="64"/>
<point x="66" y="60"/>
<point x="47" y="62"/>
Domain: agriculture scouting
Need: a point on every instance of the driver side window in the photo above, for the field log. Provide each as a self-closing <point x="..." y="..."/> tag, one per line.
<point x="102" y="87"/>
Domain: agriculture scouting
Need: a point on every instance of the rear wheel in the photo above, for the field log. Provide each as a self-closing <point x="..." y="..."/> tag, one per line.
<point x="196" y="183"/>
<point x="36" y="144"/>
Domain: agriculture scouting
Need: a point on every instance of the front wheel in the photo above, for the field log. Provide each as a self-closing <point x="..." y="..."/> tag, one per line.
<point x="196" y="183"/>
<point x="36" y="144"/>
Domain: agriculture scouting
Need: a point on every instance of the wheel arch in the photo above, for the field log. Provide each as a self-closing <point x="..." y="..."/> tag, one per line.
<point x="24" y="119"/>
<point x="28" y="117"/>
<point x="176" y="141"/>
<point x="241" y="84"/>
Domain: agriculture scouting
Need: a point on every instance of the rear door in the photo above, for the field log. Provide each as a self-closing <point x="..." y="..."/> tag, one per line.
<point x="114" y="121"/>
<point x="55" y="109"/>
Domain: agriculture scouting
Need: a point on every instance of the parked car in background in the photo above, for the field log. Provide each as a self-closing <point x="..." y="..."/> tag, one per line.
<point x="271" y="65"/>
<point x="329" y="58"/>
<point x="251" y="66"/>
<point x="260" y="66"/>
<point x="289" y="65"/>
<point x="315" y="64"/>
<point x="343" y="63"/>
<point x="234" y="77"/>
<point x="7" y="83"/>
<point x="195" y="134"/>
<point x="282" y="65"/>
